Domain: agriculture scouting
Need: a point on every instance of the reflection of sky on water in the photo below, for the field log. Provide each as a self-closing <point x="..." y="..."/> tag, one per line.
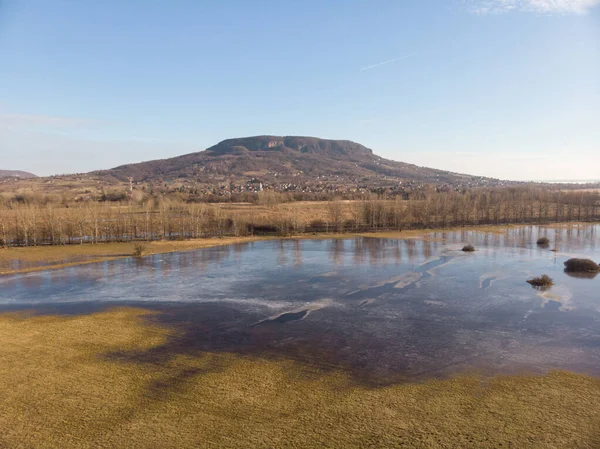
<point x="416" y="307"/>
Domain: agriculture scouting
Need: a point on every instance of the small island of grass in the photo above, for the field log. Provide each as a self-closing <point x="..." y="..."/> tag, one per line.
<point x="581" y="266"/>
<point x="541" y="281"/>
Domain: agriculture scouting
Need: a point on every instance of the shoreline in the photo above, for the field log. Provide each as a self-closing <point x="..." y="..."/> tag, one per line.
<point x="42" y="258"/>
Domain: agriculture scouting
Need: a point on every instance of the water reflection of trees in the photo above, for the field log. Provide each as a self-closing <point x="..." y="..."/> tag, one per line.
<point x="379" y="251"/>
<point x="358" y="250"/>
<point x="281" y="255"/>
<point x="336" y="251"/>
<point x="297" y="252"/>
<point x="571" y="237"/>
<point x="164" y="264"/>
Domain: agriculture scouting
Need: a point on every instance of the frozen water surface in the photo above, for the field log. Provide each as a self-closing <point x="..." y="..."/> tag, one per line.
<point x="385" y="309"/>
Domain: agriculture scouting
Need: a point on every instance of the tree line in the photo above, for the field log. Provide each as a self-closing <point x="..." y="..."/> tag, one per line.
<point x="32" y="223"/>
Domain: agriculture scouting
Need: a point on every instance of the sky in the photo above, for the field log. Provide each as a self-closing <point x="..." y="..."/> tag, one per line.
<point x="501" y="88"/>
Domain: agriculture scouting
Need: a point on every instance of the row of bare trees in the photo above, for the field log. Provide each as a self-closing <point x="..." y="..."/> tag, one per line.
<point x="475" y="207"/>
<point x="34" y="224"/>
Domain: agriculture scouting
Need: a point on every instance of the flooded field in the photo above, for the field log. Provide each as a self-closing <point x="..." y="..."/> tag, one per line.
<point x="384" y="310"/>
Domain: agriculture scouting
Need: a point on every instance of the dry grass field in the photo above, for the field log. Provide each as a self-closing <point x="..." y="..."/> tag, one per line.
<point x="83" y="381"/>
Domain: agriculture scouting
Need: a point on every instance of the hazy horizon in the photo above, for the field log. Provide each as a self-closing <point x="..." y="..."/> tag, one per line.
<point x="547" y="180"/>
<point x="504" y="89"/>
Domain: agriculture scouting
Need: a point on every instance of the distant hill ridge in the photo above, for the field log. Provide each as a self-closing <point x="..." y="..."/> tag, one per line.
<point x="16" y="174"/>
<point x="311" y="145"/>
<point x="297" y="158"/>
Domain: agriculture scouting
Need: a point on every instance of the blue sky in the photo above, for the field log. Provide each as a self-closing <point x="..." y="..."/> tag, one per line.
<point x="504" y="88"/>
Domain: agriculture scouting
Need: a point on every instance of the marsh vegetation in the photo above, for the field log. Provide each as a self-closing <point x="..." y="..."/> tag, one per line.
<point x="541" y="281"/>
<point x="543" y="241"/>
<point x="247" y="339"/>
<point x="30" y="220"/>
<point x="139" y="250"/>
<point x="581" y="266"/>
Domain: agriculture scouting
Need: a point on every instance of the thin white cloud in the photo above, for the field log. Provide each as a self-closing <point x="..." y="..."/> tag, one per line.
<point x="536" y="6"/>
<point x="387" y="62"/>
